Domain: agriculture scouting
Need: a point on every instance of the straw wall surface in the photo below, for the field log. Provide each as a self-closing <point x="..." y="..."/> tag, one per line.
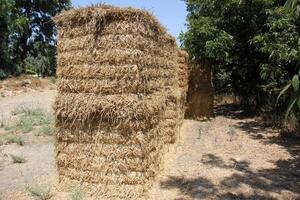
<point x="200" y="93"/>
<point x="117" y="97"/>
<point x="176" y="103"/>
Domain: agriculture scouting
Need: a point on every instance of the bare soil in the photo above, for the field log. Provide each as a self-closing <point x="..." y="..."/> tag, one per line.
<point x="233" y="156"/>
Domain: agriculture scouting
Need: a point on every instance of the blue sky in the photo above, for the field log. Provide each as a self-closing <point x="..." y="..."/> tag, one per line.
<point x="171" y="13"/>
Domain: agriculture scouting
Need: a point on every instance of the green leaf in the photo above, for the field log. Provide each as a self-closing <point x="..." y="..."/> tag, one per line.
<point x="291" y="105"/>
<point x="295" y="82"/>
<point x="283" y="91"/>
<point x="298" y="103"/>
<point x="291" y="4"/>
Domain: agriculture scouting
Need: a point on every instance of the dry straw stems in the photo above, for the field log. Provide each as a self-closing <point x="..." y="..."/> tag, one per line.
<point x="121" y="96"/>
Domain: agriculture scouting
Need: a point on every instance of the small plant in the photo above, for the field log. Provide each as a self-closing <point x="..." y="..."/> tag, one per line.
<point x="2" y="123"/>
<point x="45" y="130"/>
<point x="12" y="128"/>
<point x="25" y="124"/>
<point x="39" y="192"/>
<point x="18" y="159"/>
<point x="231" y="132"/>
<point x="15" y="139"/>
<point x="27" y="110"/>
<point x="30" y="117"/>
<point x="77" y="195"/>
<point x="291" y="93"/>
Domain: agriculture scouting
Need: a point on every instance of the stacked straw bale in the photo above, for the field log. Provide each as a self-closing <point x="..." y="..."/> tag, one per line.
<point x="176" y="103"/>
<point x="183" y="76"/>
<point x="200" y="95"/>
<point x="117" y="77"/>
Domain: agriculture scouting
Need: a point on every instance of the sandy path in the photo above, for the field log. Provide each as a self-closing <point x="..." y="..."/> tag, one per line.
<point x="230" y="159"/>
<point x="38" y="151"/>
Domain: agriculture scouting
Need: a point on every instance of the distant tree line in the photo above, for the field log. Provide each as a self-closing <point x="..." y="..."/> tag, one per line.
<point x="253" y="47"/>
<point x="28" y="36"/>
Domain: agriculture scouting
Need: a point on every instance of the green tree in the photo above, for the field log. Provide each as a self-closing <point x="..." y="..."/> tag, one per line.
<point x="220" y="32"/>
<point x="6" y="66"/>
<point x="291" y="91"/>
<point x="252" y="46"/>
<point x="32" y="33"/>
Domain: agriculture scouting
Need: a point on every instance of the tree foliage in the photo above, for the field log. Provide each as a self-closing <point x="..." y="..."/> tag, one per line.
<point x="252" y="45"/>
<point x="28" y="35"/>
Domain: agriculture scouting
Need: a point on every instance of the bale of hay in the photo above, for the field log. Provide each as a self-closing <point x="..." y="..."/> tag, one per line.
<point x="176" y="103"/>
<point x="117" y="73"/>
<point x="183" y="76"/>
<point x="200" y="93"/>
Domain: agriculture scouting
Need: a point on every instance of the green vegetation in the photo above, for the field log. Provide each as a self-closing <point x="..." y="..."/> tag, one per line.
<point x="28" y="36"/>
<point x="77" y="195"/>
<point x="15" y="139"/>
<point x="30" y="118"/>
<point x="45" y="130"/>
<point x="2" y="123"/>
<point x="40" y="192"/>
<point x="18" y="159"/>
<point x="253" y="48"/>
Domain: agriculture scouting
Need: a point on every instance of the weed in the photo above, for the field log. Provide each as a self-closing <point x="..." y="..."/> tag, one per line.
<point x="77" y="195"/>
<point x="2" y="122"/>
<point x="12" y="128"/>
<point x="31" y="117"/>
<point x="28" y="119"/>
<point x="25" y="124"/>
<point x="45" y="130"/>
<point x="231" y="132"/>
<point x="18" y="159"/>
<point x="53" y="79"/>
<point x="39" y="192"/>
<point x="27" y="110"/>
<point x="15" y="139"/>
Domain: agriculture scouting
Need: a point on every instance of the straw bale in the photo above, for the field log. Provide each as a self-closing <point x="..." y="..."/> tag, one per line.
<point x="97" y="18"/>
<point x="109" y="108"/>
<point x="114" y="41"/>
<point x="120" y="98"/>
<point x="98" y="134"/>
<point x="115" y="57"/>
<point x="98" y="72"/>
<point x="201" y="93"/>
<point x="112" y="87"/>
<point x="104" y="191"/>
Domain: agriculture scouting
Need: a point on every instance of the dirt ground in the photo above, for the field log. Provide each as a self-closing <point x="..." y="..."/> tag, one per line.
<point x="233" y="156"/>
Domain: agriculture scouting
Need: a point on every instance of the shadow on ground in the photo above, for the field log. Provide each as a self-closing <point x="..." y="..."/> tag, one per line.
<point x="268" y="184"/>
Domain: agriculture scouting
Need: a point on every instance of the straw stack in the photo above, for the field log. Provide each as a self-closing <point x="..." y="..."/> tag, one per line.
<point x="201" y="93"/>
<point x="183" y="76"/>
<point x="116" y="77"/>
<point x="176" y="103"/>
